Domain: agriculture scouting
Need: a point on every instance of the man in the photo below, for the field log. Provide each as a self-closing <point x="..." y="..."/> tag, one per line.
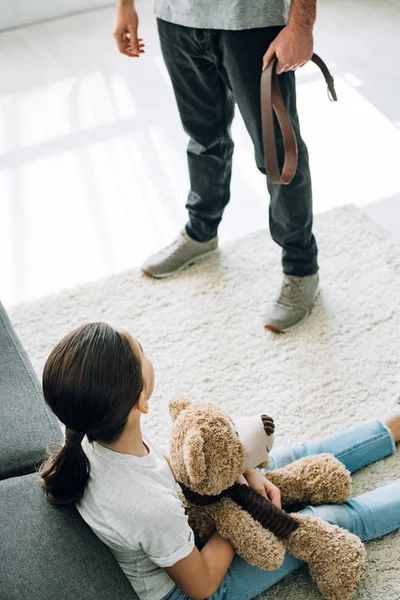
<point x="214" y="51"/>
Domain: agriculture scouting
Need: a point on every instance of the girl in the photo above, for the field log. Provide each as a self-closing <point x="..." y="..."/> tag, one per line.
<point x="98" y="382"/>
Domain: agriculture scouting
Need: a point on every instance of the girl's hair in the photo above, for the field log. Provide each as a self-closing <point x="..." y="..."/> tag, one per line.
<point x="91" y="381"/>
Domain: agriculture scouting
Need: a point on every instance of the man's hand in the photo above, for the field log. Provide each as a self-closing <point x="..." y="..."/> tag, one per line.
<point x="125" y="30"/>
<point x="293" y="47"/>
<point x="263" y="486"/>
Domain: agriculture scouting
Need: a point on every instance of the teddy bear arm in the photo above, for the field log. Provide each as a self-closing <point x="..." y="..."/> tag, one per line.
<point x="255" y="544"/>
<point x="318" y="479"/>
<point x="288" y="483"/>
<point x="201" y="520"/>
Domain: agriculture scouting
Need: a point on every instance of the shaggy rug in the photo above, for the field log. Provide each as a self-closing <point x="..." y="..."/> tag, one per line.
<point x="204" y="331"/>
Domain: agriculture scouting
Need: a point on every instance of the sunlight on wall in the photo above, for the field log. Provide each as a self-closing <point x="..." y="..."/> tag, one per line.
<point x="354" y="148"/>
<point x="54" y="111"/>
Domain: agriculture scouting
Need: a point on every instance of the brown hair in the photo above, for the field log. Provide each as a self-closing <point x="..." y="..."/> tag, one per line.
<point x="91" y="381"/>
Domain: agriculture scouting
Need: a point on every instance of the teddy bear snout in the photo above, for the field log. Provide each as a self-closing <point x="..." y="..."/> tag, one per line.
<point x="257" y="436"/>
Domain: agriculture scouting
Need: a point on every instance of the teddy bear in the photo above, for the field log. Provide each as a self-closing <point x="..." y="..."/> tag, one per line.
<point x="209" y="452"/>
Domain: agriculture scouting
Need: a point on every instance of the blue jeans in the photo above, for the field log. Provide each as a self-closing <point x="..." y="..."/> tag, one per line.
<point x="371" y="515"/>
<point x="210" y="70"/>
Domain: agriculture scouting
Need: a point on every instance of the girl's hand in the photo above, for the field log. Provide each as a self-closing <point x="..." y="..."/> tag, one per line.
<point x="263" y="486"/>
<point x="126" y="29"/>
<point x="242" y="480"/>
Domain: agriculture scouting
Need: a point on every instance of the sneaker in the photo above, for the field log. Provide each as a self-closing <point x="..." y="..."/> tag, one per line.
<point x="396" y="405"/>
<point x="294" y="302"/>
<point x="183" y="251"/>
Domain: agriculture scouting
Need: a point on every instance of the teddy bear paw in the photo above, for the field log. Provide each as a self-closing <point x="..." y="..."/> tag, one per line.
<point x="335" y="556"/>
<point x="317" y="479"/>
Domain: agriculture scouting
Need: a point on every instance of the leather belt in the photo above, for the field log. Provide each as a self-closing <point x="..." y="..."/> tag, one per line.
<point x="272" y="102"/>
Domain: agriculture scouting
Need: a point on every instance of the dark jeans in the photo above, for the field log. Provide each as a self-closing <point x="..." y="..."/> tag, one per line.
<point x="210" y="70"/>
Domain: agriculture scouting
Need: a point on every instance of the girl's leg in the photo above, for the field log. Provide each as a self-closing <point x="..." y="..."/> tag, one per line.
<point x="243" y="581"/>
<point x="369" y="516"/>
<point x="355" y="448"/>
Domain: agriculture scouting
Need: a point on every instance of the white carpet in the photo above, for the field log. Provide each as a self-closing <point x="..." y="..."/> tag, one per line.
<point x="204" y="331"/>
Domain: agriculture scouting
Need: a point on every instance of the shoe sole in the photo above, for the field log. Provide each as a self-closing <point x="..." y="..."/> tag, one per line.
<point x="187" y="264"/>
<point x="276" y="329"/>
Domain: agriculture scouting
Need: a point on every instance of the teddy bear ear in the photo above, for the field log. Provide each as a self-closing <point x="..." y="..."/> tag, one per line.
<point x="177" y="404"/>
<point x="193" y="456"/>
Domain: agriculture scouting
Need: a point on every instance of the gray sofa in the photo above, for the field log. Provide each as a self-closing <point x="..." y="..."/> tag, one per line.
<point x="46" y="552"/>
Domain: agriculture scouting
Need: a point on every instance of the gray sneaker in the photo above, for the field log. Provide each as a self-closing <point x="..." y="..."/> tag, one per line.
<point x="294" y="303"/>
<point x="183" y="251"/>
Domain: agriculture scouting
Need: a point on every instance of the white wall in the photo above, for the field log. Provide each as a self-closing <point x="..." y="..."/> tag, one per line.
<point x="14" y="13"/>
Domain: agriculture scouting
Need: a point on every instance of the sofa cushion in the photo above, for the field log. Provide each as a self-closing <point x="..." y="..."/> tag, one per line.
<point x="26" y="424"/>
<point x="49" y="552"/>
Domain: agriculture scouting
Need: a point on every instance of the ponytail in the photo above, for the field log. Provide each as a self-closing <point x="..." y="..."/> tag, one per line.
<point x="91" y="381"/>
<point x="65" y="473"/>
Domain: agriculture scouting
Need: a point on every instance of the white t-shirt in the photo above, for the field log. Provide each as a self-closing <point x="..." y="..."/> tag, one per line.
<point x="131" y="504"/>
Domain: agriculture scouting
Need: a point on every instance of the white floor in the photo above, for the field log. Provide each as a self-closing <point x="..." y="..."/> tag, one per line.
<point x="92" y="157"/>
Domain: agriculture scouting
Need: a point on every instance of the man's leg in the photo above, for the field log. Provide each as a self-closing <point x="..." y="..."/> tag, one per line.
<point x="206" y="109"/>
<point x="290" y="205"/>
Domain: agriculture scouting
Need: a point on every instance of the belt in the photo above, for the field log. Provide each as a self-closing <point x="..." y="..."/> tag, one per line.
<point x="272" y="102"/>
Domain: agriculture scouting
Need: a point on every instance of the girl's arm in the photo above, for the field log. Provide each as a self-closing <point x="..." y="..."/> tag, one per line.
<point x="263" y="486"/>
<point x="167" y="458"/>
<point x="200" y="574"/>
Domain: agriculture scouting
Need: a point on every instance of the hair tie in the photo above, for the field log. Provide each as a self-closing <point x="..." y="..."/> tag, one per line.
<point x="73" y="438"/>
